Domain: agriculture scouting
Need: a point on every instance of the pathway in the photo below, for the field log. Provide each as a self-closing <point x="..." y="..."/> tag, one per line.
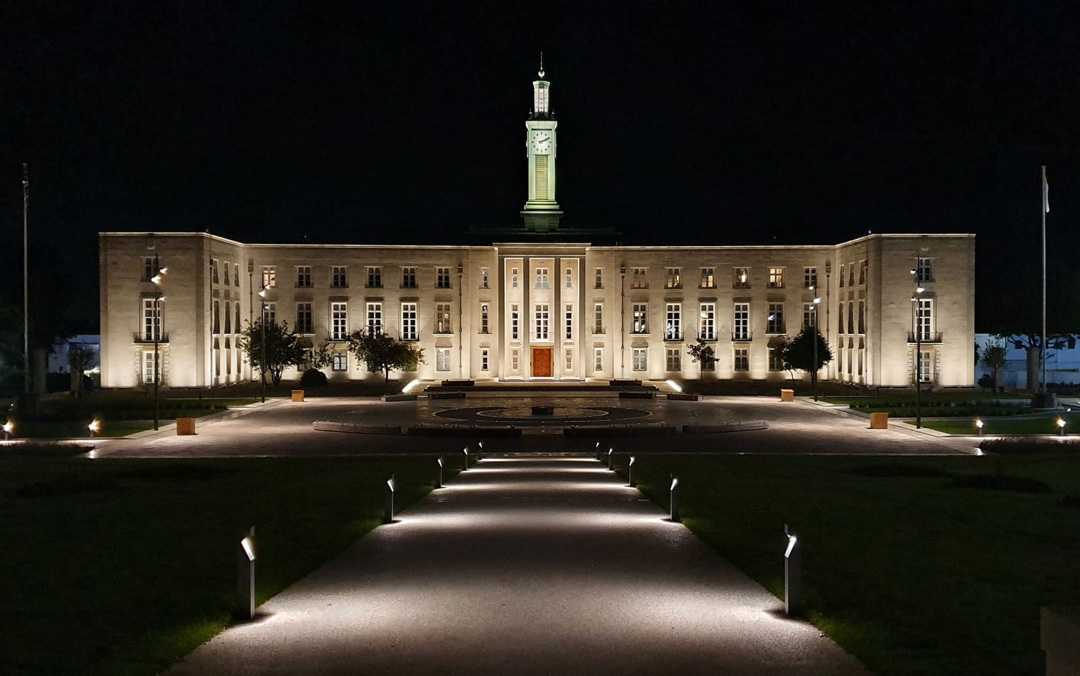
<point x="525" y="565"/>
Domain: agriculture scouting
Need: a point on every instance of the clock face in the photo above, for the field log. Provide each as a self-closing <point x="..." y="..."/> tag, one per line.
<point x="542" y="141"/>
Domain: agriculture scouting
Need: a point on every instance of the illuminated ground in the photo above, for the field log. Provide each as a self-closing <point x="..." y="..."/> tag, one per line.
<point x="284" y="428"/>
<point x="525" y="565"/>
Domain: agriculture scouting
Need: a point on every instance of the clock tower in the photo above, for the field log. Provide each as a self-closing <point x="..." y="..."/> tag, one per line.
<point x="541" y="212"/>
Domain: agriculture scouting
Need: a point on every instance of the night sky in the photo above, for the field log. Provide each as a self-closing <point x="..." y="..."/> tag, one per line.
<point x="404" y="122"/>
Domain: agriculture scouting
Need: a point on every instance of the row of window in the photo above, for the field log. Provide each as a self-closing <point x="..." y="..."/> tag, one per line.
<point x="339" y="277"/>
<point x="740" y="277"/>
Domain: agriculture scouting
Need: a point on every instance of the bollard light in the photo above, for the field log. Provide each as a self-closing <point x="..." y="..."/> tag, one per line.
<point x="94" y="427"/>
<point x="245" y="576"/>
<point x="1061" y="426"/>
<point x="466" y="452"/>
<point x="979" y="426"/>
<point x="9" y="429"/>
<point x="388" y="500"/>
<point x="630" y="471"/>
<point x="439" y="478"/>
<point x="674" y="498"/>
<point x="610" y="459"/>
<point x="792" y="574"/>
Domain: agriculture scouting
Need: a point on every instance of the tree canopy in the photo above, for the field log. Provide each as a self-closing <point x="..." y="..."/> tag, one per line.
<point x="283" y="348"/>
<point x="382" y="352"/>
<point x="799" y="351"/>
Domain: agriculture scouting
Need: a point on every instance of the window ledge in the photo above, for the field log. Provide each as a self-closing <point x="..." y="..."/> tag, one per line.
<point x="673" y="340"/>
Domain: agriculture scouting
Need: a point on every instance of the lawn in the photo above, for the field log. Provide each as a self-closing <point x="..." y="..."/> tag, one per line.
<point x="1020" y="425"/>
<point x="122" y="567"/>
<point x="905" y="564"/>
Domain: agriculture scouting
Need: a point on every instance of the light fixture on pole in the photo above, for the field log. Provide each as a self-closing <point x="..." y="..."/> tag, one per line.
<point x="94" y="427"/>
<point x="245" y="576"/>
<point x="388" y="499"/>
<point x="262" y="338"/>
<point x="979" y="426"/>
<point x="673" y="498"/>
<point x="630" y="471"/>
<point x="158" y="279"/>
<point x="610" y="459"/>
<point x="465" y="452"/>
<point x="9" y="429"/>
<point x="916" y="301"/>
<point x="439" y="477"/>
<point x="814" y="324"/>
<point x="792" y="574"/>
<point x="1060" y="425"/>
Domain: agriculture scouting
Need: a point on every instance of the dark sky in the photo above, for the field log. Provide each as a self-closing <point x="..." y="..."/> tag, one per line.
<point x="679" y="123"/>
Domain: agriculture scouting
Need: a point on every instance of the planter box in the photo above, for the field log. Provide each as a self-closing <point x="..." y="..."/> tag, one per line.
<point x="879" y="421"/>
<point x="297" y="395"/>
<point x="185" y="426"/>
<point x="787" y="395"/>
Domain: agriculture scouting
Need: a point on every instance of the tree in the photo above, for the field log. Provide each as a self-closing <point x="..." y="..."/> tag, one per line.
<point x="382" y="352"/>
<point x="799" y="352"/>
<point x="283" y="348"/>
<point x="80" y="359"/>
<point x="1031" y="343"/>
<point x="703" y="353"/>
<point x="994" y="359"/>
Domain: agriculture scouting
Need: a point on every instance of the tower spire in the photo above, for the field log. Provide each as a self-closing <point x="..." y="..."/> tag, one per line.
<point x="541" y="71"/>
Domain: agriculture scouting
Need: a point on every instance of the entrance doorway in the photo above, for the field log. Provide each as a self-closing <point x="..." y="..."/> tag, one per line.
<point x="541" y="362"/>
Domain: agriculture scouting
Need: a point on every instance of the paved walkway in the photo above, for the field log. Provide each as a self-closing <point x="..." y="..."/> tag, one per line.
<point x="525" y="565"/>
<point x="284" y="428"/>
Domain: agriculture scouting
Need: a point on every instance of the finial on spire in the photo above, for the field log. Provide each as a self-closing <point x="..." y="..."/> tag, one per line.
<point x="541" y="71"/>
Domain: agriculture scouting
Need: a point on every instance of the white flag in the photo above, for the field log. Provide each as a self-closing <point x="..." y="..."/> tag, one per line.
<point x="1046" y="191"/>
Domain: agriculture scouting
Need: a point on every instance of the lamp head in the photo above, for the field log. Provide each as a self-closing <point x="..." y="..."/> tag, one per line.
<point x="1060" y="422"/>
<point x="979" y="423"/>
<point x="9" y="427"/>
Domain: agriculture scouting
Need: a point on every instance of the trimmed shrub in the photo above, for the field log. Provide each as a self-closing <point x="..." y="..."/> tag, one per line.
<point x="313" y="378"/>
<point x="1019" y="446"/>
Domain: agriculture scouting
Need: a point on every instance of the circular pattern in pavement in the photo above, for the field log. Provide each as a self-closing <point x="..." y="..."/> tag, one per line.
<point x="561" y="415"/>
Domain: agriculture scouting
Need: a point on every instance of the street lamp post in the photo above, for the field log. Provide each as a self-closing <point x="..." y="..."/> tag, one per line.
<point x="156" y="327"/>
<point x="917" y="313"/>
<point x="262" y="335"/>
<point x="813" y="324"/>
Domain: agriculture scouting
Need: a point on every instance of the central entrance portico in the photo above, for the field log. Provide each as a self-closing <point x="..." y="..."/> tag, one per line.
<point x="541" y="362"/>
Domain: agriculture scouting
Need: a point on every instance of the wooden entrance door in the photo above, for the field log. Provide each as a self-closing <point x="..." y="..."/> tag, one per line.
<point x="541" y="362"/>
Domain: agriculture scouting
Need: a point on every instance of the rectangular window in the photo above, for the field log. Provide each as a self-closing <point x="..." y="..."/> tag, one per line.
<point x="841" y="275"/>
<point x="641" y="359"/>
<point x="515" y="322"/>
<point x="673" y="325"/>
<point x="374" y="277"/>
<point x="740" y="278"/>
<point x="926" y="367"/>
<point x="442" y="278"/>
<point x="673" y="359"/>
<point x="639" y="278"/>
<point x="810" y="278"/>
<point x="303" y="276"/>
<point x="924" y="269"/>
<point x="408" y="276"/>
<point x="776" y="278"/>
<point x="236" y="280"/>
<point x="598" y="359"/>
<point x="269" y="276"/>
<point x="707" y="321"/>
<point x="515" y="360"/>
<point x="708" y="278"/>
<point x="925" y="319"/>
<point x="442" y="318"/>
<point x="542" y="320"/>
<point x="598" y="283"/>
<point x="542" y="279"/>
<point x="303" y="318"/>
<point x="568" y="322"/>
<point x="485" y="279"/>
<point x="408" y="321"/>
<point x="851" y="317"/>
<point x="340" y="362"/>
<point x="217" y="317"/>
<point x="485" y="356"/>
<point x="270" y="313"/>
<point x="672" y="278"/>
<point x="514" y="277"/>
<point x="742" y="359"/>
<point x="442" y="359"/>
<point x="862" y="317"/>
<point x="776" y="360"/>
<point x="228" y="318"/>
<point x="741" y="322"/>
<point x="840" y="316"/>
<point x="851" y="275"/>
<point x="641" y="318"/>
<point x="149" y="269"/>
<point x="859" y="371"/>
<point x="775" y="321"/>
<point x="339" y="321"/>
<point x="213" y="271"/>
<point x="339" y="276"/>
<point x="225" y="273"/>
<point x="862" y="272"/>
<point x="484" y="318"/>
<point x="151" y="319"/>
<point x="149" y="368"/>
<point x="374" y="318"/>
<point x="808" y="310"/>
<point x="569" y="277"/>
<point x="568" y="356"/>
<point x="598" y="318"/>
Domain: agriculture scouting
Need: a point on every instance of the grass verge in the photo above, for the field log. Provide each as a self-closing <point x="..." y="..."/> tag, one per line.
<point x="122" y="567"/>
<point x="914" y="565"/>
<point x="1026" y="425"/>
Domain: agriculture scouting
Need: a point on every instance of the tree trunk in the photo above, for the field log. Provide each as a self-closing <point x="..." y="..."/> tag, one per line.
<point x="386" y="375"/>
<point x="1033" y="369"/>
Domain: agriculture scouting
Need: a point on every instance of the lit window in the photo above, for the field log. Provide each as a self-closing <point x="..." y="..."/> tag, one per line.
<point x="442" y="359"/>
<point x="408" y="321"/>
<point x="151" y="319"/>
<point x="808" y="310"/>
<point x="542" y="279"/>
<point x="707" y="323"/>
<point x="339" y="321"/>
<point x="149" y="367"/>
<point x="809" y="277"/>
<point x="673" y="327"/>
<point x="924" y="321"/>
<point x="641" y="318"/>
<point x="673" y="278"/>
<point x="640" y="359"/>
<point x="442" y="278"/>
<point x="639" y="278"/>
<point x="776" y="278"/>
<point x="339" y="276"/>
<point x="708" y="278"/>
<point x="775" y="320"/>
<point x="484" y="318"/>
<point x="269" y="276"/>
<point x="374" y="318"/>
<point x="740" y="278"/>
<point x="542" y="321"/>
<point x="442" y="318"/>
<point x="568" y="316"/>
<point x="340" y="361"/>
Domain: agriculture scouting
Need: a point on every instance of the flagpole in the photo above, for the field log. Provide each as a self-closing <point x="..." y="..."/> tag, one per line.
<point x="26" y="278"/>
<point x="1042" y="345"/>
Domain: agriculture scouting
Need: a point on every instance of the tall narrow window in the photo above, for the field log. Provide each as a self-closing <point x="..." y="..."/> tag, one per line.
<point x="269" y="276"/>
<point x="924" y="269"/>
<point x="742" y="359"/>
<point x="707" y="321"/>
<point x="926" y="367"/>
<point x="568" y="275"/>
<point x="442" y="359"/>
<point x="236" y="280"/>
<point x="542" y="279"/>
<point x="542" y="322"/>
<point x="485" y="278"/>
<point x="514" y="273"/>
<point x="408" y="276"/>
<point x="840" y="317"/>
<point x="339" y="321"/>
<point x="776" y="278"/>
<point x="442" y="277"/>
<point x="708" y="278"/>
<point x="862" y="272"/>
<point x="374" y="277"/>
<point x="776" y="359"/>
<point x="515" y="322"/>
<point x="862" y="316"/>
<point x="225" y="273"/>
<point x="374" y="318"/>
<point x="569" y="359"/>
<point x="408" y="321"/>
<point x="841" y="278"/>
<point x="270" y="313"/>
<point x="598" y="283"/>
<point x="810" y="277"/>
<point x="672" y="278"/>
<point x="741" y="322"/>
<point x="925" y="320"/>
<point x="213" y="271"/>
<point x="151" y="319"/>
<point x="303" y="276"/>
<point x="851" y="279"/>
<point x="808" y="310"/>
<point x="598" y="318"/>
<point x="236" y="314"/>
<point x="673" y="326"/>
<point x="149" y="269"/>
<point x="598" y="359"/>
<point x="485" y="359"/>
<point x="442" y="318"/>
<point x="217" y="317"/>
<point x="303" y="318"/>
<point x="515" y="360"/>
<point x="149" y="367"/>
<point x="640" y="359"/>
<point x="228" y="317"/>
<point x="639" y="278"/>
<point x="775" y="321"/>
<point x="339" y="276"/>
<point x="641" y="318"/>
<point x="673" y="359"/>
<point x="484" y="318"/>
<point x="568" y="322"/>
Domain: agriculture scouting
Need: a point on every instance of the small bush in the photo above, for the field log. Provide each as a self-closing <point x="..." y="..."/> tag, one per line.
<point x="313" y="378"/>
<point x="1017" y="446"/>
<point x="986" y="381"/>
